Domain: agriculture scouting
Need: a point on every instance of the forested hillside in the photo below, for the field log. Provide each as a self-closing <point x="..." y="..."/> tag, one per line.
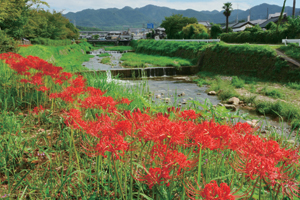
<point x="114" y="19"/>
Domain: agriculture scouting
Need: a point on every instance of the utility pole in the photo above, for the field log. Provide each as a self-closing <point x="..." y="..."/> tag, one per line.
<point x="294" y="8"/>
<point x="237" y="14"/>
<point x="267" y="13"/>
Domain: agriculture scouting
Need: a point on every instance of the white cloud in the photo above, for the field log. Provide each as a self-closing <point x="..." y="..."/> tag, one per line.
<point x="78" y="5"/>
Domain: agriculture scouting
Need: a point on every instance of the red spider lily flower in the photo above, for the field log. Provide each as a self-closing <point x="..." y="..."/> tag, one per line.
<point x="78" y="82"/>
<point x="189" y="114"/>
<point x="94" y="91"/>
<point x="37" y="110"/>
<point x="73" y="119"/>
<point x="125" y="101"/>
<point x="212" y="191"/>
<point x="58" y="82"/>
<point x="155" y="176"/>
<point x="43" y="89"/>
<point x="116" y="145"/>
<point x="106" y="103"/>
<point x="69" y="94"/>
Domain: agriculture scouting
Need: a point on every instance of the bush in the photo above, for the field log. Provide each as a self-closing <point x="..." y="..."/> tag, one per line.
<point x="272" y="93"/>
<point x="7" y="44"/>
<point x="238" y="83"/>
<point x="216" y="31"/>
<point x="49" y="42"/>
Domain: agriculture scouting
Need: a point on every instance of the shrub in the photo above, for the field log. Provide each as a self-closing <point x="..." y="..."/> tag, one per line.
<point x="272" y="92"/>
<point x="49" y="42"/>
<point x="238" y="83"/>
<point x="216" y="31"/>
<point x="7" y="44"/>
<point x="105" y="60"/>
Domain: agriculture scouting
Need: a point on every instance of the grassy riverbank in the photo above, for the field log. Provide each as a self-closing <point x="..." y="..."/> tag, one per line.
<point x="70" y="57"/>
<point x="267" y="97"/>
<point x="258" y="61"/>
<point x="143" y="60"/>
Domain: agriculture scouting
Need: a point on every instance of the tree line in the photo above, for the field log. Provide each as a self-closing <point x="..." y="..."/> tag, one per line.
<point x="26" y="19"/>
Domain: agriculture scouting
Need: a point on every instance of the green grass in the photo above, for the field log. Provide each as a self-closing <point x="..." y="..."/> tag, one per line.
<point x="237" y="82"/>
<point x="291" y="50"/>
<point x="103" y="55"/>
<point x="133" y="59"/>
<point x="119" y="48"/>
<point x="275" y="93"/>
<point x="105" y="60"/>
<point x="70" y="57"/>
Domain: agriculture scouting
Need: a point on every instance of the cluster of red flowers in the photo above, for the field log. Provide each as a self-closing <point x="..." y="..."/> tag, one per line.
<point x="119" y="131"/>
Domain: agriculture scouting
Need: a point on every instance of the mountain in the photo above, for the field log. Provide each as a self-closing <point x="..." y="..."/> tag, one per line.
<point x="121" y="19"/>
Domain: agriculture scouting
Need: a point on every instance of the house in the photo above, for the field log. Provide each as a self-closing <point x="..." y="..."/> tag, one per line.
<point x="273" y="19"/>
<point x="206" y="24"/>
<point x="258" y="21"/>
<point x="241" y="26"/>
<point x="237" y="27"/>
<point x="136" y="31"/>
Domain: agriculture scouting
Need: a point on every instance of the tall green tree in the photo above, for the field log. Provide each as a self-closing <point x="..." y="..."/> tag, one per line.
<point x="227" y="12"/>
<point x="175" y="23"/>
<point x="14" y="15"/>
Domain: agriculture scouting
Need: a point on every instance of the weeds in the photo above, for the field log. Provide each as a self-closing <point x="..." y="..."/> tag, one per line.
<point x="103" y="55"/>
<point x="275" y="93"/>
<point x="238" y="83"/>
<point x="133" y="59"/>
<point x="106" y="60"/>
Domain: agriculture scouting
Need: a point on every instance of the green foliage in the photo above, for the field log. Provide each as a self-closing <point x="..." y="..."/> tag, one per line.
<point x="224" y="89"/>
<point x="19" y="19"/>
<point x="190" y="30"/>
<point x="83" y="28"/>
<point x="53" y="25"/>
<point x="253" y="29"/>
<point x="7" y="44"/>
<point x="294" y="85"/>
<point x="271" y="36"/>
<point x="95" y="37"/>
<point x="49" y="42"/>
<point x="275" y="93"/>
<point x="105" y="60"/>
<point x="119" y="48"/>
<point x="227" y="12"/>
<point x="292" y="50"/>
<point x="288" y="111"/>
<point x="216" y="31"/>
<point x="237" y="82"/>
<point x="70" y="57"/>
<point x="271" y="26"/>
<point x="103" y="55"/>
<point x="175" y="23"/>
<point x="136" y="60"/>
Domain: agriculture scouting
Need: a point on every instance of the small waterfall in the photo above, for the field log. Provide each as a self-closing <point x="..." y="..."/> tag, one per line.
<point x="174" y="72"/>
<point x="150" y="75"/>
<point x="164" y="72"/>
<point x="108" y="76"/>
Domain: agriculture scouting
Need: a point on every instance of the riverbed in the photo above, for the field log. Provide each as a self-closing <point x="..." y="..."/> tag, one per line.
<point x="178" y="91"/>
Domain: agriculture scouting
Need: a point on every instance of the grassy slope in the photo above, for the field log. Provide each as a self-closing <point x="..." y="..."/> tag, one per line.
<point x="259" y="61"/>
<point x="70" y="57"/>
<point x="139" y="60"/>
<point x="292" y="50"/>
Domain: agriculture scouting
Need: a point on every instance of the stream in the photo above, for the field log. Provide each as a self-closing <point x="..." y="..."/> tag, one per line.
<point x="171" y="86"/>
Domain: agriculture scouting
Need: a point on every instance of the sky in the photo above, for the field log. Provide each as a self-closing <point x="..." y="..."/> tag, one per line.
<point x="66" y="6"/>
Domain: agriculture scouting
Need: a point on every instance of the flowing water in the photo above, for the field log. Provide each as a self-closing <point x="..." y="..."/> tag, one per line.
<point x="179" y="90"/>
